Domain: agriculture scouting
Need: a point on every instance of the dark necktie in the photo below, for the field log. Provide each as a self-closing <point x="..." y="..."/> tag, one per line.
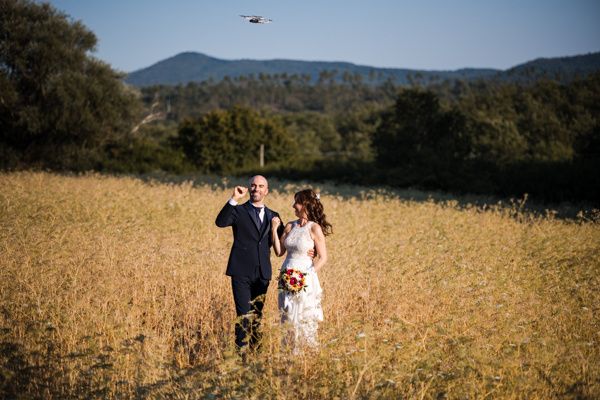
<point x="257" y="212"/>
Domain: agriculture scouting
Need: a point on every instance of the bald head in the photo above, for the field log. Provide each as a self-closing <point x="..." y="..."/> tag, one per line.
<point x="258" y="188"/>
<point x="260" y="178"/>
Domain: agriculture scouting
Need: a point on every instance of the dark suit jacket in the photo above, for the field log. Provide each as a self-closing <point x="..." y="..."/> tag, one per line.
<point x="251" y="245"/>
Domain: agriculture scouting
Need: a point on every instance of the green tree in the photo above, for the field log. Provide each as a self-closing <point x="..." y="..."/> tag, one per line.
<point x="228" y="141"/>
<point x="416" y="131"/>
<point x="356" y="130"/>
<point x="584" y="99"/>
<point x="59" y="106"/>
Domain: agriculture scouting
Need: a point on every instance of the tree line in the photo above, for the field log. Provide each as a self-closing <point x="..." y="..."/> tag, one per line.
<point x="60" y="108"/>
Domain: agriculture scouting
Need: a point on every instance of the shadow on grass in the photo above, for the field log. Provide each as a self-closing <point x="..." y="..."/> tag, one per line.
<point x="341" y="185"/>
<point x="580" y="211"/>
<point x="26" y="374"/>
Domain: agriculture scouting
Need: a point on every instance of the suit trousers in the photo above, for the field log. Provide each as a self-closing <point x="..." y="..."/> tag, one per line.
<point x="249" y="296"/>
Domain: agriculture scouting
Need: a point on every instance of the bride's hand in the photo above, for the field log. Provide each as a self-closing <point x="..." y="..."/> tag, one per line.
<point x="275" y="223"/>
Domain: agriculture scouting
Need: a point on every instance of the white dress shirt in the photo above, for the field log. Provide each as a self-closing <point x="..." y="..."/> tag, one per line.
<point x="261" y="214"/>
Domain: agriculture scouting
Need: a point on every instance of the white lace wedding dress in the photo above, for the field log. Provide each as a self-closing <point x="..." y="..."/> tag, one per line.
<point x="302" y="311"/>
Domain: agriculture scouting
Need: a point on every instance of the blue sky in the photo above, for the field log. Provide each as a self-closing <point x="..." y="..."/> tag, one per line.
<point x="424" y="34"/>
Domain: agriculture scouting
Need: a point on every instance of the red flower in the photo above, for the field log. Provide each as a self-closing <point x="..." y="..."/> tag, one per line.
<point x="289" y="272"/>
<point x="293" y="281"/>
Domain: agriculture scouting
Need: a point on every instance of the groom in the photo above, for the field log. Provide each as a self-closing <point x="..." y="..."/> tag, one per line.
<point x="249" y="262"/>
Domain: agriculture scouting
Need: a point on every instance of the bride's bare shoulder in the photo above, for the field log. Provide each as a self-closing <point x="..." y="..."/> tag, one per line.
<point x="316" y="229"/>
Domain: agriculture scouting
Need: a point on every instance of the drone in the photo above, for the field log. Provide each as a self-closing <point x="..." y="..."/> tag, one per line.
<point x="256" y="19"/>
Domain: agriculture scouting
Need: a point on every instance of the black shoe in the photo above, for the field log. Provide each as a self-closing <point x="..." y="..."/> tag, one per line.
<point x="243" y="353"/>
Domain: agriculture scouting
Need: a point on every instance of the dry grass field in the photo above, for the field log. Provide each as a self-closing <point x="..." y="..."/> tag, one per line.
<point x="115" y="288"/>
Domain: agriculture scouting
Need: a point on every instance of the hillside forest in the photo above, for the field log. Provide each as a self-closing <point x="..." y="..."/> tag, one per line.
<point x="62" y="109"/>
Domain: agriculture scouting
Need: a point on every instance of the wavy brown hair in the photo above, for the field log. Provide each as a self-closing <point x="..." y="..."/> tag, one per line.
<point x="314" y="209"/>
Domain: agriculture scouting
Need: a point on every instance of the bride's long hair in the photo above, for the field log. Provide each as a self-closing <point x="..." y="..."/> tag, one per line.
<point x="314" y="209"/>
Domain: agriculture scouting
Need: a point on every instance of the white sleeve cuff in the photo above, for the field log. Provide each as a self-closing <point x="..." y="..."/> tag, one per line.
<point x="233" y="202"/>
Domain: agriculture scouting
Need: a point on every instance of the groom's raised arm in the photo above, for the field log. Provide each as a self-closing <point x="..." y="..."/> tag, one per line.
<point x="226" y="216"/>
<point x="228" y="213"/>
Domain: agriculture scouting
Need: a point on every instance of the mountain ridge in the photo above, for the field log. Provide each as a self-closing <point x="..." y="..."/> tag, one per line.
<point x="190" y="66"/>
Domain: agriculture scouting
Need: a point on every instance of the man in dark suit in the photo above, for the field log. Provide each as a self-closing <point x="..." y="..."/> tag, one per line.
<point x="249" y="262"/>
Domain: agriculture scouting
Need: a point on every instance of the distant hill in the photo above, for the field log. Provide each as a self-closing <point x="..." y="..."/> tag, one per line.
<point x="197" y="67"/>
<point x="560" y="68"/>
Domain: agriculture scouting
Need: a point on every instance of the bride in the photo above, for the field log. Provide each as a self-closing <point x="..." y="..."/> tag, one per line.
<point x="300" y="295"/>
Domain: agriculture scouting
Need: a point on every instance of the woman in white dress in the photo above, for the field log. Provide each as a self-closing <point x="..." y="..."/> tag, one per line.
<point x="301" y="311"/>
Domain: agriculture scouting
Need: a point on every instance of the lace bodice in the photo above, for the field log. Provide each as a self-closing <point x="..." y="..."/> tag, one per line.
<point x="298" y="242"/>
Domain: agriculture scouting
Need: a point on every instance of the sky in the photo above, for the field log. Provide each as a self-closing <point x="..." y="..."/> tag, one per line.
<point x="418" y="34"/>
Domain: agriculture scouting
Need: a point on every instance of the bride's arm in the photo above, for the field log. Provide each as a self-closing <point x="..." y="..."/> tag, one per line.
<point x="319" y="238"/>
<point x="278" y="245"/>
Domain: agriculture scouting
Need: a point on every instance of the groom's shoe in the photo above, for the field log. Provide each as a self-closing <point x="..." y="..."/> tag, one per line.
<point x="243" y="353"/>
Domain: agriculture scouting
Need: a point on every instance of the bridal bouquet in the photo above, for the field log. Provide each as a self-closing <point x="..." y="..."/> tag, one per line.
<point x="292" y="281"/>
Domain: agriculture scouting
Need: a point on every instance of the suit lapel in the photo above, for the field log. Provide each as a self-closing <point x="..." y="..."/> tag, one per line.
<point x="266" y="221"/>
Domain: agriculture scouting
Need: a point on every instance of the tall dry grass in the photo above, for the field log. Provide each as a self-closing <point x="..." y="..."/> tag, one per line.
<point x="115" y="288"/>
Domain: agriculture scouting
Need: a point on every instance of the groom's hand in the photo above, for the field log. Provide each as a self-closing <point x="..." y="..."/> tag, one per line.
<point x="311" y="253"/>
<point x="239" y="192"/>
